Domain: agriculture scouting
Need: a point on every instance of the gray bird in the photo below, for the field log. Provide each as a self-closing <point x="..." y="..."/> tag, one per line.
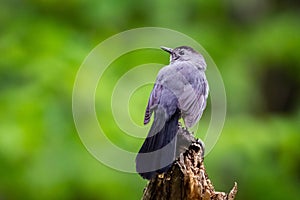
<point x="180" y="91"/>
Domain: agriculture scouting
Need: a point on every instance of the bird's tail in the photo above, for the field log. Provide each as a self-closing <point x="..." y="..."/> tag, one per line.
<point x="159" y="148"/>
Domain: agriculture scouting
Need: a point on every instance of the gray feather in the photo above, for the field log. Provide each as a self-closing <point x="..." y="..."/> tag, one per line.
<point x="180" y="90"/>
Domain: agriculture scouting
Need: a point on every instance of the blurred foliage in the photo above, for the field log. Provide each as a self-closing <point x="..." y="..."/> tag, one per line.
<point x="255" y="44"/>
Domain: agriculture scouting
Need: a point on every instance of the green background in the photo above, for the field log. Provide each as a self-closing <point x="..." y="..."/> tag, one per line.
<point x="255" y="44"/>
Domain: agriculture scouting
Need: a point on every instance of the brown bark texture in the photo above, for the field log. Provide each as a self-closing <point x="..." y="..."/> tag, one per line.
<point x="187" y="178"/>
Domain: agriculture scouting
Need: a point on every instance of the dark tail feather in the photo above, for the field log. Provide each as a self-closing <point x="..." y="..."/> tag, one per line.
<point x="158" y="150"/>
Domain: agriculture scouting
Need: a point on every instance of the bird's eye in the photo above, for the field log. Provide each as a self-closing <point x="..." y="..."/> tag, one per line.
<point x="181" y="52"/>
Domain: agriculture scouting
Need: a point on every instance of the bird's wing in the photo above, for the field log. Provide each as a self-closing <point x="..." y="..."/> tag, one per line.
<point x="162" y="96"/>
<point x="153" y="101"/>
<point x="179" y="85"/>
<point x="192" y="101"/>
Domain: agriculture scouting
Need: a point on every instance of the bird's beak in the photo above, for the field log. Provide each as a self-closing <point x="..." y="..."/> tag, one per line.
<point x="167" y="49"/>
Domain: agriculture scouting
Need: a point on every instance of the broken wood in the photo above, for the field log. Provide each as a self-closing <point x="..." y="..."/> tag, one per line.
<point x="187" y="178"/>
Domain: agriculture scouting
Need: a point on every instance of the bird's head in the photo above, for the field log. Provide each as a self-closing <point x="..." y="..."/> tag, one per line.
<point x="185" y="53"/>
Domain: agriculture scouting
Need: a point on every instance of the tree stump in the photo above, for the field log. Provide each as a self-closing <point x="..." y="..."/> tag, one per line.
<point x="187" y="178"/>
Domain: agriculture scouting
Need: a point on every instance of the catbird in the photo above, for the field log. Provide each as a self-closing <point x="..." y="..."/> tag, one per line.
<point x="180" y="91"/>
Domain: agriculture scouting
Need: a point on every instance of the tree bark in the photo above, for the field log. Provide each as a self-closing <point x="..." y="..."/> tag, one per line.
<point x="187" y="178"/>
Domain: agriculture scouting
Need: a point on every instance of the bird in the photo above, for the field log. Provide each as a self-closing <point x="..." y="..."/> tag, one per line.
<point x="180" y="91"/>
